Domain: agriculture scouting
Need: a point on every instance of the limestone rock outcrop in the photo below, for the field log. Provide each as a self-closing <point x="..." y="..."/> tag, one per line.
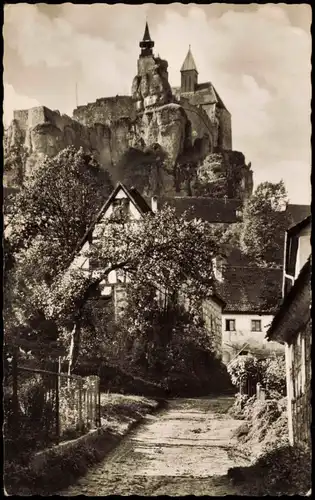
<point x="224" y="173"/>
<point x="190" y="128"/>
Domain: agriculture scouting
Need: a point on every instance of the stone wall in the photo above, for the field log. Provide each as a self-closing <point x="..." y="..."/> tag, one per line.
<point x="212" y="315"/>
<point x="225" y="129"/>
<point x="205" y="99"/>
<point x="301" y="377"/>
<point x="201" y="126"/>
<point x="105" y="110"/>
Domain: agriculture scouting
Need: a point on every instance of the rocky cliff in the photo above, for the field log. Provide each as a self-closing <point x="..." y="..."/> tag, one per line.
<point x="149" y="139"/>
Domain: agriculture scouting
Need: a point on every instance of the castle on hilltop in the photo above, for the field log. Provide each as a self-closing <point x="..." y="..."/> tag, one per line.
<point x="186" y="126"/>
<point x="151" y="88"/>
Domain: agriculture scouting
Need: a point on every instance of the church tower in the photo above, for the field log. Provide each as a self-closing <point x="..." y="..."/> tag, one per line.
<point x="189" y="74"/>
<point x="146" y="43"/>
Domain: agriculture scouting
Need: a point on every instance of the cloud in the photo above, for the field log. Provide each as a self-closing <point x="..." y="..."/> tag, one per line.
<point x="296" y="175"/>
<point x="257" y="59"/>
<point x="12" y="101"/>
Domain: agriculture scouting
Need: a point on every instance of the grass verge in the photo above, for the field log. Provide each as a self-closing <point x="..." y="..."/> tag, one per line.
<point x="277" y="468"/>
<point x="59" y="467"/>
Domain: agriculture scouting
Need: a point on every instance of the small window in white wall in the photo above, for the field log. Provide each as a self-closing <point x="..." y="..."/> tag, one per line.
<point x="230" y="325"/>
<point x="256" y="325"/>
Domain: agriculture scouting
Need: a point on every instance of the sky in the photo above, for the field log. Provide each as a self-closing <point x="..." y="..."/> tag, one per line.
<point x="258" y="57"/>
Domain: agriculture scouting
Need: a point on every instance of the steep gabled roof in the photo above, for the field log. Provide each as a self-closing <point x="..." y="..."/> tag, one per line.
<point x="296" y="228"/>
<point x="131" y="193"/>
<point x="287" y="323"/>
<point x="138" y="200"/>
<point x="207" y="209"/>
<point x="189" y="63"/>
<point x="205" y="93"/>
<point x="250" y="289"/>
<point x="298" y="212"/>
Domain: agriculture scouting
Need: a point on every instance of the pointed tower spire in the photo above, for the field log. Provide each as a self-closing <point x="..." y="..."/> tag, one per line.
<point x="189" y="63"/>
<point x="146" y="43"/>
<point x="146" y="36"/>
<point x="189" y="74"/>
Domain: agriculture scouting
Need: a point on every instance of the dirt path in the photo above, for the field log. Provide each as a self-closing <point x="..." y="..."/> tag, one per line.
<point x="186" y="449"/>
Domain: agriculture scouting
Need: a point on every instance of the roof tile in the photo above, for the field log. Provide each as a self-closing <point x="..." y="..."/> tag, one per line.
<point x="251" y="289"/>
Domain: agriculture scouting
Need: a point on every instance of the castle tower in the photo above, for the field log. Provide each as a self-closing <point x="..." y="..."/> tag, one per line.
<point x="146" y="43"/>
<point x="189" y="74"/>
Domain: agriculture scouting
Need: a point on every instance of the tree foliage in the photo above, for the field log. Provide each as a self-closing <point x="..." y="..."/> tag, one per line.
<point x="265" y="222"/>
<point x="52" y="212"/>
<point x="243" y="368"/>
<point x="269" y="372"/>
<point x="169" y="251"/>
<point x="164" y="341"/>
<point x="58" y="203"/>
<point x="274" y="376"/>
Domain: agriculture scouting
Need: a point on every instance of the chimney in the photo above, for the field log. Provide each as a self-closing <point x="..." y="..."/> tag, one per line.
<point x="154" y="206"/>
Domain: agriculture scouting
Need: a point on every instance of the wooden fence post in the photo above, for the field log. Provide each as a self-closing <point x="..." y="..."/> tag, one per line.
<point x="57" y="415"/>
<point x="15" y="398"/>
<point x="99" y="403"/>
<point x="80" y="405"/>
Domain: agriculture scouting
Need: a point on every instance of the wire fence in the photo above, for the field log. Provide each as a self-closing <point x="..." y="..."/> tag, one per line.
<point x="43" y="407"/>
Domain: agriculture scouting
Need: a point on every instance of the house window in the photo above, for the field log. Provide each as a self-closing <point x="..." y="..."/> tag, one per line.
<point x="256" y="325"/>
<point x="96" y="263"/>
<point x="291" y="255"/>
<point x="230" y="325"/>
<point x="120" y="207"/>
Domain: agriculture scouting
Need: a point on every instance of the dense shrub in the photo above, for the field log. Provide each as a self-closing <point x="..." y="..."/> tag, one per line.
<point x="30" y="425"/>
<point x="274" y="376"/>
<point x="266" y="425"/>
<point x="61" y="467"/>
<point x="281" y="470"/>
<point x="237" y="409"/>
<point x="244" y="368"/>
<point x="269" y="372"/>
<point x="284" y="470"/>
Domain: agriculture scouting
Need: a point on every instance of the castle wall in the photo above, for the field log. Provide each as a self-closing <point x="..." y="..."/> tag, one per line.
<point x="210" y="109"/>
<point x="105" y="110"/>
<point x="225" y="129"/>
<point x="200" y="123"/>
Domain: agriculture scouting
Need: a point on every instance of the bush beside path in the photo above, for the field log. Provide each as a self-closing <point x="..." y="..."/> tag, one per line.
<point x="276" y="467"/>
<point x="62" y="465"/>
